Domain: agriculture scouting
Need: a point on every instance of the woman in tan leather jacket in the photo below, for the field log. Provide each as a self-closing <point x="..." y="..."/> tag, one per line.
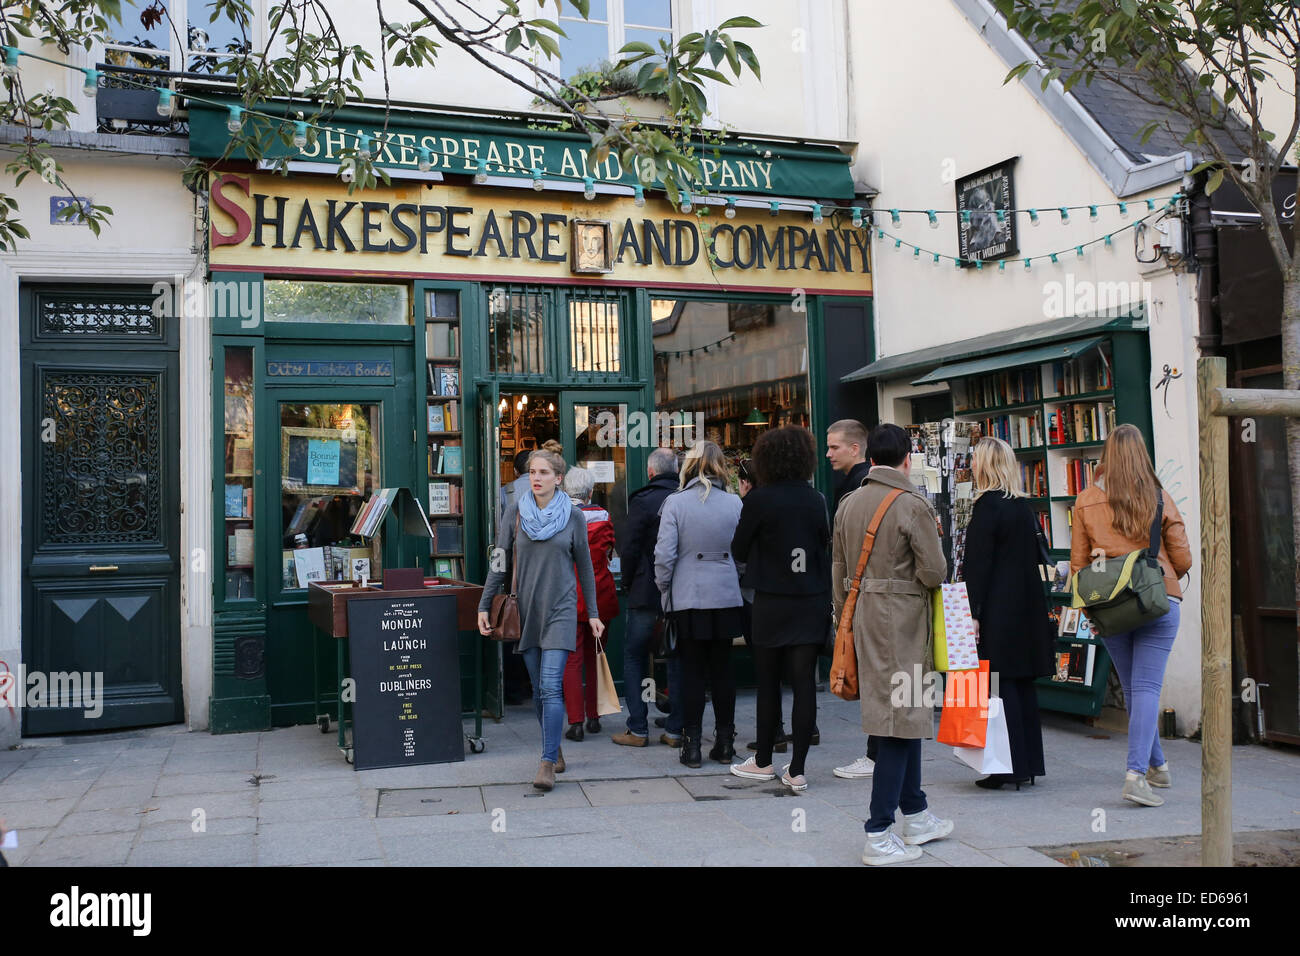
<point x="1113" y="518"/>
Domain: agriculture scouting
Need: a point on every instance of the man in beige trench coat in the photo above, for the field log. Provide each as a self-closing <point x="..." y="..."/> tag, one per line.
<point x="891" y="632"/>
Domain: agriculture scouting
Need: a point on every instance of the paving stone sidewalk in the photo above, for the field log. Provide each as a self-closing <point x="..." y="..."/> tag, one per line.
<point x="286" y="797"/>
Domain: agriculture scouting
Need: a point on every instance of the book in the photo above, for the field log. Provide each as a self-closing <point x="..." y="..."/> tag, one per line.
<point x="452" y="463"/>
<point x="235" y="501"/>
<point x="446" y="537"/>
<point x="243" y="546"/>
<point x="439" y="497"/>
<point x="436" y="418"/>
<point x="241" y="457"/>
<point x="309" y="563"/>
<point x="448" y="380"/>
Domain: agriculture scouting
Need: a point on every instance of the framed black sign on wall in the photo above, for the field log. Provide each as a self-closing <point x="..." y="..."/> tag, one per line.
<point x="986" y="225"/>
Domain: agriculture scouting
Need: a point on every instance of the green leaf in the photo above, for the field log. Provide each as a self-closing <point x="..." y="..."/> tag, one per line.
<point x="549" y="25"/>
<point x="736" y="23"/>
<point x="549" y="44"/>
<point x="1214" y="182"/>
<point x="513" y="39"/>
<point x="638" y="47"/>
<point x="1130" y="8"/>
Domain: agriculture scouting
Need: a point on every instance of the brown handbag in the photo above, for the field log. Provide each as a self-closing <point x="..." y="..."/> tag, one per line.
<point x="844" y="665"/>
<point x="503" y="617"/>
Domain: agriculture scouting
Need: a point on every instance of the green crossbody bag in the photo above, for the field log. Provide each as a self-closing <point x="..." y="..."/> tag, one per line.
<point x="1127" y="592"/>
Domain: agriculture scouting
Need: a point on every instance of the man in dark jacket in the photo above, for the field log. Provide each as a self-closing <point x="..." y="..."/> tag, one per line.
<point x="644" y="602"/>
<point x="846" y="447"/>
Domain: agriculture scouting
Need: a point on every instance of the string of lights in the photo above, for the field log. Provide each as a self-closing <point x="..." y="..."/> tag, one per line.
<point x="678" y="353"/>
<point x="1107" y="240"/>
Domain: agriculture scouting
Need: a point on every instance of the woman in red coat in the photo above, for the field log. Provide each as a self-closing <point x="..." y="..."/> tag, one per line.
<point x="580" y="701"/>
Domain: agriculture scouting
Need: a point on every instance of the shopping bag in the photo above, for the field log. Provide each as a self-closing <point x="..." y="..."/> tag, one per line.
<point x="965" y="717"/>
<point x="606" y="696"/>
<point x="995" y="755"/>
<point x="954" y="629"/>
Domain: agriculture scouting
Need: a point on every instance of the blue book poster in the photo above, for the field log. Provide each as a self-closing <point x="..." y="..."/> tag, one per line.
<point x="323" y="461"/>
<point x="234" y="501"/>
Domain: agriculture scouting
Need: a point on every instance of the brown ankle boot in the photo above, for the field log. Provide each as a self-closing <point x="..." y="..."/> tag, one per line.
<point x="559" y="761"/>
<point x="545" y="779"/>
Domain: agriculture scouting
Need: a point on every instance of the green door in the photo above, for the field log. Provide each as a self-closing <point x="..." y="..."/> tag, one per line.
<point x="332" y="446"/>
<point x="101" y="507"/>
<point x="594" y="431"/>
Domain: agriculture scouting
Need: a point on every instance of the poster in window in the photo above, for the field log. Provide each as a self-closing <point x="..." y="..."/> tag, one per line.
<point x="984" y="234"/>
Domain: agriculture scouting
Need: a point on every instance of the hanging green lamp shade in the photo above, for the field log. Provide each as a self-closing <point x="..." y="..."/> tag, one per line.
<point x="756" y="418"/>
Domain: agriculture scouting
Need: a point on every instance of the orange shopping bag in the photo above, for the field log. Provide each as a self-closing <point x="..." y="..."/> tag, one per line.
<point x="965" y="718"/>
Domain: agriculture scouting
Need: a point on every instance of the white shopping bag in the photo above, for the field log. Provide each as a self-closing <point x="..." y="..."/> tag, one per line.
<point x="995" y="756"/>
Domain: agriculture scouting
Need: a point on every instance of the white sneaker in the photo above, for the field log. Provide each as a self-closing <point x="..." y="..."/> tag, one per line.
<point x="923" y="827"/>
<point x="860" y="768"/>
<point x="885" y="847"/>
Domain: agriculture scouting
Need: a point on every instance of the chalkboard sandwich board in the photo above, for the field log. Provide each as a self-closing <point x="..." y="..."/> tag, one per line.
<point x="404" y="662"/>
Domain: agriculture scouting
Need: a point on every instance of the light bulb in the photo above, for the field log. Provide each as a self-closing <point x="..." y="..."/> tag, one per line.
<point x="550" y="406"/>
<point x="364" y="150"/>
<point x="638" y="195"/>
<point x="1033" y="217"/>
<point x="426" y="159"/>
<point x="730" y="211"/>
<point x="10" y="67"/>
<point x="686" y="204"/>
<point x="588" y="188"/>
<point x="164" y="102"/>
<point x="300" y="134"/>
<point x="537" y="179"/>
<point x="773" y="208"/>
<point x="480" y="176"/>
<point x="893" y="215"/>
<point x="857" y="217"/>
<point x="91" y="86"/>
<point x="524" y="399"/>
<point x="235" y="121"/>
<point x="817" y="213"/>
<point x="934" y="220"/>
<point x="1123" y="209"/>
<point x="1092" y="213"/>
<point x="1065" y="214"/>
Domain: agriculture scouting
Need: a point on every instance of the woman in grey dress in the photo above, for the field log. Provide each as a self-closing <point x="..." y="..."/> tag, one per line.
<point x="552" y="544"/>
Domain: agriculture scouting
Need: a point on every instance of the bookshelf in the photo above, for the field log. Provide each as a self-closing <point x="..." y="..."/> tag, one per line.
<point x="1056" y="414"/>
<point x="444" y="431"/>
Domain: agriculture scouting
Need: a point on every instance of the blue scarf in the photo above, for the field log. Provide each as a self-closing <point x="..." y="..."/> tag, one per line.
<point x="542" y="524"/>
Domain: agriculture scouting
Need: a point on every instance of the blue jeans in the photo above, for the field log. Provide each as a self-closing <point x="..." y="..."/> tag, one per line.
<point x="637" y="635"/>
<point x="546" y="671"/>
<point x="1140" y="656"/>
<point x="896" y="781"/>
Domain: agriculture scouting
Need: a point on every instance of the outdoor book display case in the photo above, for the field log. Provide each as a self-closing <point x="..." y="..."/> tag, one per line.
<point x="1054" y="404"/>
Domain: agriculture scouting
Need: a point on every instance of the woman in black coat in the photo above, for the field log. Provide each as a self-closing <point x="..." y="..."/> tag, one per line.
<point x="783" y="539"/>
<point x="1007" y="602"/>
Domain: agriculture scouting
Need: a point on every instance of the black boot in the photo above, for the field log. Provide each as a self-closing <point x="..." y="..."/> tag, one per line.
<point x="724" y="745"/>
<point x="574" y="732"/>
<point x="690" y="755"/>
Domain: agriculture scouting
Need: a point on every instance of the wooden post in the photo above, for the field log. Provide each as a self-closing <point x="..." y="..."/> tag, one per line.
<point x="1216" y="623"/>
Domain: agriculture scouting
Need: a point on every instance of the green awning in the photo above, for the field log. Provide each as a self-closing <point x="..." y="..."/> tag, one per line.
<point x="457" y="143"/>
<point x="893" y="367"/>
<point x="1056" y="352"/>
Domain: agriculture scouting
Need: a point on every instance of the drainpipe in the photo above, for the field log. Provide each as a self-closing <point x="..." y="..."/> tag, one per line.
<point x="1205" y="245"/>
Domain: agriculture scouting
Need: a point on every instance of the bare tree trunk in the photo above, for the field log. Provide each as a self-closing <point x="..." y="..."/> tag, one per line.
<point x="1291" y="380"/>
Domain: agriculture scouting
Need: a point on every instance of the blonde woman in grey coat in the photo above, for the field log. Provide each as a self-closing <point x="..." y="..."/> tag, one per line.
<point x="697" y="577"/>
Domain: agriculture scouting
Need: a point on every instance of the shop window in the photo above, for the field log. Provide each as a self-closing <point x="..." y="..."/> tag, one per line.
<point x="517" y="321"/>
<point x="609" y="26"/>
<point x="294" y="300"/>
<point x="329" y="468"/>
<point x="594" y="319"/>
<point x="240" y="552"/>
<point x="740" y="367"/>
